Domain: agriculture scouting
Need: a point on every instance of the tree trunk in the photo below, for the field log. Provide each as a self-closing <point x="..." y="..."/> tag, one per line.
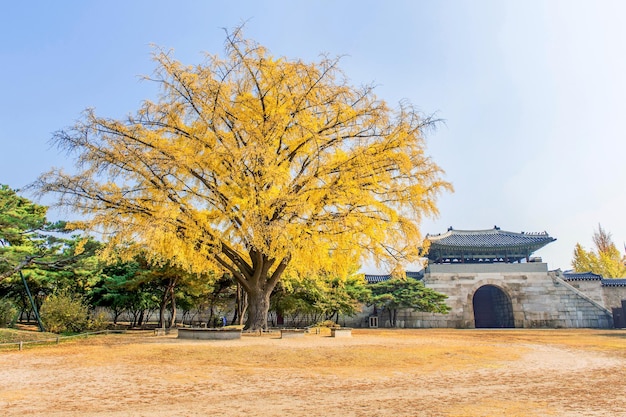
<point x="168" y="297"/>
<point x="242" y="305"/>
<point x="162" y="306"/>
<point x="173" y="306"/>
<point x="257" y="281"/>
<point x="116" y="315"/>
<point x="258" y="308"/>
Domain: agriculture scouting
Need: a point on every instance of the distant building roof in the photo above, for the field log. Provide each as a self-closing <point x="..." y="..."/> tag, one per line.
<point x="415" y="275"/>
<point x="581" y="276"/>
<point x="590" y="276"/>
<point x="372" y="279"/>
<point x="614" y="282"/>
<point x="491" y="245"/>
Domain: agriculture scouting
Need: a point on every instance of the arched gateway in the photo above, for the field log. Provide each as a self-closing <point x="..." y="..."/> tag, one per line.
<point x="477" y="254"/>
<point x="492" y="308"/>
<point x="492" y="280"/>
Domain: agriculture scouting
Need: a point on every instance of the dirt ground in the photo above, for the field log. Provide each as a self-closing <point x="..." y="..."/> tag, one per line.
<point x="374" y="373"/>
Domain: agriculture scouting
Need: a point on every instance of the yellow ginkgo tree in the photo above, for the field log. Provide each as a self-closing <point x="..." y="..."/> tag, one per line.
<point x="257" y="166"/>
<point x="606" y="260"/>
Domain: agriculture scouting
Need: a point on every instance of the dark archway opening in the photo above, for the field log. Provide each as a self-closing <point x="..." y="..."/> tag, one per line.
<point x="492" y="308"/>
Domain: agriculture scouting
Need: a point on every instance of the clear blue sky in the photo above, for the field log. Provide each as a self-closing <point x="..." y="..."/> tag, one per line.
<point x="532" y="92"/>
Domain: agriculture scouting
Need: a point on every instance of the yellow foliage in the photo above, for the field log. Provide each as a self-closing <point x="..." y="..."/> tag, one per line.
<point x="80" y="246"/>
<point x="255" y="165"/>
<point x="606" y="260"/>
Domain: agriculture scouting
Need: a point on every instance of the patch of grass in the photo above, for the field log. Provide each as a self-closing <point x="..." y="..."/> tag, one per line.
<point x="14" y="336"/>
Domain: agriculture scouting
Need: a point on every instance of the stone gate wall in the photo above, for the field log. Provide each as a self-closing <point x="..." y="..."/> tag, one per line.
<point x="609" y="296"/>
<point x="539" y="298"/>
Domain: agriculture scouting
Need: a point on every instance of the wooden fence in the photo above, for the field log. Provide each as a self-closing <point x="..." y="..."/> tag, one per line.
<point x="55" y="339"/>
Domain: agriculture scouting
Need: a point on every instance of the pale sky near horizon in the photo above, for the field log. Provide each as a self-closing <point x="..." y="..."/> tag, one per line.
<point x="532" y="92"/>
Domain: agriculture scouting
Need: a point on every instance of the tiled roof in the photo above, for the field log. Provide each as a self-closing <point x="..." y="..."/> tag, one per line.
<point x="488" y="238"/>
<point x="614" y="282"/>
<point x="372" y="279"/>
<point x="415" y="275"/>
<point x="491" y="245"/>
<point x="581" y="276"/>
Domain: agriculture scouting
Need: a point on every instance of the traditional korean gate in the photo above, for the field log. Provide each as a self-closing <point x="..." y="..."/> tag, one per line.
<point x="492" y="308"/>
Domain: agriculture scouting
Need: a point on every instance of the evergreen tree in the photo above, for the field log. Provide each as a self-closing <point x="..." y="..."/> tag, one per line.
<point x="397" y="293"/>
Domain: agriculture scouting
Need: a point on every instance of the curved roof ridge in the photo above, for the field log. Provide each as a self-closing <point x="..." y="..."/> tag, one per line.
<point x="493" y="231"/>
<point x="486" y="244"/>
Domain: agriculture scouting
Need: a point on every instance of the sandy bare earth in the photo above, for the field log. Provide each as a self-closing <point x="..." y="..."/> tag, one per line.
<point x="374" y="373"/>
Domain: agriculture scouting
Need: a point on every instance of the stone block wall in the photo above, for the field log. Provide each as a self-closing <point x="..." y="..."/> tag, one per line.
<point x="592" y="288"/>
<point x="613" y="296"/>
<point x="539" y="299"/>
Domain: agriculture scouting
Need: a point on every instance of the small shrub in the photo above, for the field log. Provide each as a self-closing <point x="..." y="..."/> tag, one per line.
<point x="8" y="313"/>
<point x="64" y="313"/>
<point x="328" y="323"/>
<point x="99" y="321"/>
